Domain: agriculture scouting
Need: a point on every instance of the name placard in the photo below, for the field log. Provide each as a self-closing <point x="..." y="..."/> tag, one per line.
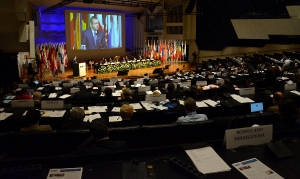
<point x="26" y="103"/>
<point x="108" y="83"/>
<point x="144" y="88"/>
<point x="67" y="84"/>
<point x="52" y="104"/>
<point x="88" y="83"/>
<point x="248" y="136"/>
<point x="82" y="69"/>
<point x="74" y="90"/>
<point x="201" y="83"/>
<point x="289" y="87"/>
<point x="247" y="91"/>
<point x="21" y="85"/>
<point x="152" y="98"/>
<point x="187" y="83"/>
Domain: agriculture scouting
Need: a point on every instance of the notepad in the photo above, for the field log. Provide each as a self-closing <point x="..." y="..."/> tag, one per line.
<point x="115" y="118"/>
<point x="206" y="160"/>
<point x="116" y="109"/>
<point x="136" y="106"/>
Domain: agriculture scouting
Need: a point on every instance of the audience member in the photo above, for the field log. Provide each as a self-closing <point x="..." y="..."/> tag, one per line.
<point x="32" y="118"/>
<point x="172" y="93"/>
<point x="23" y="94"/>
<point x="190" y="109"/>
<point x="126" y="113"/>
<point x="276" y="98"/>
<point x="226" y="86"/>
<point x="76" y="122"/>
<point x="107" y="92"/>
<point x="82" y="95"/>
<point x="99" y="142"/>
<point x="126" y="94"/>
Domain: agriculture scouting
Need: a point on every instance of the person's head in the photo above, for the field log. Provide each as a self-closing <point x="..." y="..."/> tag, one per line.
<point x="99" y="129"/>
<point x="82" y="88"/>
<point x="190" y="105"/>
<point x="226" y="81"/>
<point x="51" y="89"/>
<point x="37" y="96"/>
<point x="75" y="58"/>
<point x="33" y="116"/>
<point x="126" y="112"/>
<point x="288" y="110"/>
<point x="127" y="92"/>
<point x="171" y="87"/>
<point x="277" y="97"/>
<point x="156" y="92"/>
<point x="23" y="91"/>
<point x="108" y="92"/>
<point x="94" y="23"/>
<point x="77" y="114"/>
<point x="198" y="89"/>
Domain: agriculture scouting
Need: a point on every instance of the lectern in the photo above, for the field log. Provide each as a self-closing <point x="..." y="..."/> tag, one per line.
<point x="79" y="69"/>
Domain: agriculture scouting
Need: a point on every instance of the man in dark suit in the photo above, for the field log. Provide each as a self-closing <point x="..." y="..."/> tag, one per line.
<point x="82" y="95"/>
<point x="99" y="142"/>
<point x="93" y="38"/>
<point x="76" y="123"/>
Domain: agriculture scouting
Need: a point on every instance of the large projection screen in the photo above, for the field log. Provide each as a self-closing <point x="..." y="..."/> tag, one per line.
<point x="94" y="33"/>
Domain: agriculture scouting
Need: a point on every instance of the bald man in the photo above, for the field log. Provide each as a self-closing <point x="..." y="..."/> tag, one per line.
<point x="276" y="98"/>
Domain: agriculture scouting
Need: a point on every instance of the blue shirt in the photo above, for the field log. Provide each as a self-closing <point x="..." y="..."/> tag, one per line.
<point x="192" y="117"/>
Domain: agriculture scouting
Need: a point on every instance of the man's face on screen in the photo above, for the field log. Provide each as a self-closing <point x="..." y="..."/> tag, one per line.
<point x="95" y="24"/>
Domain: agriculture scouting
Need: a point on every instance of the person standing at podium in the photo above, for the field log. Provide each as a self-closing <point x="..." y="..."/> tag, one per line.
<point x="93" y="38"/>
<point x="74" y="61"/>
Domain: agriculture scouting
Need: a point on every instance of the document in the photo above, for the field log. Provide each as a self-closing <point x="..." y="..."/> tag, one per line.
<point x="207" y="160"/>
<point x="57" y="113"/>
<point x="211" y="102"/>
<point x="116" y="109"/>
<point x="201" y="104"/>
<point x="64" y="96"/>
<point x="148" y="106"/>
<point x="97" y="109"/>
<point x="52" y="95"/>
<point x="136" y="106"/>
<point x="4" y="115"/>
<point x="115" y="118"/>
<point x="65" y="173"/>
<point x="6" y="101"/>
<point x="1" y="109"/>
<point x="10" y="97"/>
<point x="241" y="99"/>
<point x="94" y="116"/>
<point x="253" y="169"/>
<point x="40" y="88"/>
<point x="295" y="92"/>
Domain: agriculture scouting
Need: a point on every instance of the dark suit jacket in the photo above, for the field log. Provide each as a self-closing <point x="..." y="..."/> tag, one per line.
<point x="83" y="96"/>
<point x="226" y="88"/>
<point x="125" y="123"/>
<point x="87" y="38"/>
<point x="71" y="125"/>
<point x="102" y="146"/>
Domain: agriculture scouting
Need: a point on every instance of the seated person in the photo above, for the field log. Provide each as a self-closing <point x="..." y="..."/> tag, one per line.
<point x="226" y="86"/>
<point x="37" y="96"/>
<point x="171" y="94"/>
<point x="23" y="94"/>
<point x="126" y="94"/>
<point x="76" y="123"/>
<point x="51" y="89"/>
<point x="108" y="92"/>
<point x="126" y="113"/>
<point x="82" y="95"/>
<point x="288" y="112"/>
<point x="276" y="98"/>
<point x="190" y="109"/>
<point x="99" y="142"/>
<point x="33" y="117"/>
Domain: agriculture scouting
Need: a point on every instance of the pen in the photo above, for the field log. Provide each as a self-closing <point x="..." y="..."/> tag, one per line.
<point x="118" y="118"/>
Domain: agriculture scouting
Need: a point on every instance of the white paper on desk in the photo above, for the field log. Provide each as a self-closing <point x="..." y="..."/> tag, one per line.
<point x="211" y="102"/>
<point x="64" y="96"/>
<point x="295" y="92"/>
<point x="18" y="89"/>
<point x="207" y="160"/>
<point x="57" y="113"/>
<point x="162" y="107"/>
<point x="93" y="117"/>
<point x="65" y="173"/>
<point x="136" y="106"/>
<point x="40" y="88"/>
<point x="1" y="109"/>
<point x="25" y="113"/>
<point x="116" y="109"/>
<point x="47" y="113"/>
<point x="6" y="101"/>
<point x="97" y="109"/>
<point x="147" y="105"/>
<point x="149" y="92"/>
<point x="253" y="168"/>
<point x="86" y="118"/>
<point x="201" y="104"/>
<point x="4" y="115"/>
<point x="115" y="118"/>
<point x="116" y="94"/>
<point x="52" y="95"/>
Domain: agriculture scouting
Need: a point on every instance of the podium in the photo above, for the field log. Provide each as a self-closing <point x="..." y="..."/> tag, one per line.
<point x="79" y="69"/>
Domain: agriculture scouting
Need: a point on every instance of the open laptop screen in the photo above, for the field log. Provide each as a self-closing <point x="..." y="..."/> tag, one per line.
<point x="257" y="107"/>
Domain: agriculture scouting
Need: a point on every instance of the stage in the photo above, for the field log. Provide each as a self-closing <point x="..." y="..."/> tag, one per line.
<point x="132" y="73"/>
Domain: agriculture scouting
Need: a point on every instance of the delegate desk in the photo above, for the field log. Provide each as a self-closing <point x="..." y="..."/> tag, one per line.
<point x="109" y="166"/>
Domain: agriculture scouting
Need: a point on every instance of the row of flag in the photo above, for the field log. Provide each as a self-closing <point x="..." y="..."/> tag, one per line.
<point x="51" y="57"/>
<point x="163" y="50"/>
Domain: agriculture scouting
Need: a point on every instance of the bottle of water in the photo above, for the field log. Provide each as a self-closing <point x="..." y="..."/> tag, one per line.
<point x="149" y="172"/>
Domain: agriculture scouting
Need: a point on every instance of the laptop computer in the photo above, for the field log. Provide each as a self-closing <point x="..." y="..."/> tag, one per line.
<point x="256" y="107"/>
